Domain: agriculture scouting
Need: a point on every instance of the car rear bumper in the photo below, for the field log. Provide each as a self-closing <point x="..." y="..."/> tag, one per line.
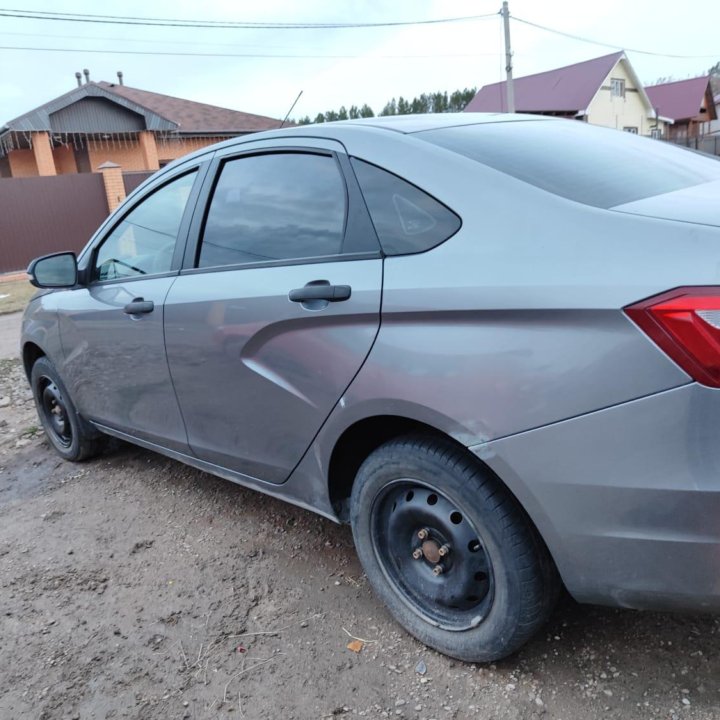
<point x="626" y="498"/>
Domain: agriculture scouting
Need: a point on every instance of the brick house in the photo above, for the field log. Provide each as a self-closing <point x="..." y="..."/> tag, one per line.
<point x="689" y="103"/>
<point x="99" y="122"/>
<point x="603" y="91"/>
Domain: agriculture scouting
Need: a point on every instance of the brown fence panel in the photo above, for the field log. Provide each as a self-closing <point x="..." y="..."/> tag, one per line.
<point x="41" y="215"/>
<point x="131" y="180"/>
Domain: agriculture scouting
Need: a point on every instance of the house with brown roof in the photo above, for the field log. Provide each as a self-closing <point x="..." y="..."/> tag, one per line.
<point x="689" y="103"/>
<point x="98" y="122"/>
<point x="602" y="91"/>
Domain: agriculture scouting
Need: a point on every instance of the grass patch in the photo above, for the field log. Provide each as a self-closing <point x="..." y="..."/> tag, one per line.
<point x="14" y="295"/>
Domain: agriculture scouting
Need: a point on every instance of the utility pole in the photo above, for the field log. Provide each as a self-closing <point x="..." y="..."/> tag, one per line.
<point x="509" y="87"/>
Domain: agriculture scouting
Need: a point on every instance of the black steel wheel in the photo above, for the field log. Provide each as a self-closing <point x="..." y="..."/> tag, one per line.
<point x="72" y="437"/>
<point x="431" y="552"/>
<point x="449" y="551"/>
<point x="54" y="413"/>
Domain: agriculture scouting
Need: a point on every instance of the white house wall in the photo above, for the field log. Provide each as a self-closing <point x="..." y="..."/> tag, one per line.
<point x="621" y="112"/>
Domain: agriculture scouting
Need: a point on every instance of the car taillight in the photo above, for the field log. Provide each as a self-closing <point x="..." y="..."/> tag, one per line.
<point x="685" y="323"/>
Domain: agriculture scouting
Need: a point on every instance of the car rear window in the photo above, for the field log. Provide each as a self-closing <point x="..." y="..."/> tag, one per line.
<point x="595" y="166"/>
<point x="406" y="219"/>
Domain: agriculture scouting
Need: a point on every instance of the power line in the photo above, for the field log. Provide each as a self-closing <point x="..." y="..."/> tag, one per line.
<point x="152" y="40"/>
<point x="608" y="45"/>
<point x="221" y="24"/>
<point x="244" y="55"/>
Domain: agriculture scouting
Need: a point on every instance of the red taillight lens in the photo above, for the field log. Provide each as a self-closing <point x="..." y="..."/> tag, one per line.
<point x="685" y="323"/>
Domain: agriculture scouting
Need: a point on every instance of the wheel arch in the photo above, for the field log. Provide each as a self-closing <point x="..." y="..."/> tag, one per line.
<point x="357" y="442"/>
<point x="31" y="352"/>
<point x="362" y="437"/>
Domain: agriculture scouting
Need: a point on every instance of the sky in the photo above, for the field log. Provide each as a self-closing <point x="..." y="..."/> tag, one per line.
<point x="350" y="66"/>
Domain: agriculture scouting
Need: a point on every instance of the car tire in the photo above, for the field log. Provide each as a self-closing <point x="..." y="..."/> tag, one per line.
<point x="419" y="503"/>
<point x="71" y="436"/>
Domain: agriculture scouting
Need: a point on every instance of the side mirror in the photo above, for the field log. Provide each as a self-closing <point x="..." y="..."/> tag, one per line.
<point x="54" y="271"/>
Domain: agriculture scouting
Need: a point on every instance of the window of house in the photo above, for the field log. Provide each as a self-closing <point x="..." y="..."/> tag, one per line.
<point x="279" y="206"/>
<point x="631" y="129"/>
<point x="617" y="87"/>
<point x="144" y="242"/>
<point x="406" y="219"/>
<point x="656" y="133"/>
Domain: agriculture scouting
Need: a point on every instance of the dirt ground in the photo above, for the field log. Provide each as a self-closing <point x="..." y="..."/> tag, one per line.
<point x="132" y="586"/>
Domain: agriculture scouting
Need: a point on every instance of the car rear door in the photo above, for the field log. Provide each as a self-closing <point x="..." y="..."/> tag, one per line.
<point x="276" y="308"/>
<point x="112" y="329"/>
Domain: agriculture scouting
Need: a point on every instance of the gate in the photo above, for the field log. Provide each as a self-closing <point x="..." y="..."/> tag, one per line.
<point x="41" y="215"/>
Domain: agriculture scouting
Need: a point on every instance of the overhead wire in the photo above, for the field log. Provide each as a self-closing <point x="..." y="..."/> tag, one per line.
<point x="580" y="38"/>
<point x="244" y="55"/>
<point x="256" y="25"/>
<point x="222" y="24"/>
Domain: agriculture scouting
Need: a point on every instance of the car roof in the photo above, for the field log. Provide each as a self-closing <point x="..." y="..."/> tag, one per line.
<point x="344" y="129"/>
<point x="418" y="123"/>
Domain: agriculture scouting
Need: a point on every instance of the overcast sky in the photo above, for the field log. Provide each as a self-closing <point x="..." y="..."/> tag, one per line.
<point x="383" y="62"/>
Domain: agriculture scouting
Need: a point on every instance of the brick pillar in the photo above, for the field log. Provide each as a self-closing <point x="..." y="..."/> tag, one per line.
<point x="148" y="148"/>
<point x="114" y="185"/>
<point x="42" y="150"/>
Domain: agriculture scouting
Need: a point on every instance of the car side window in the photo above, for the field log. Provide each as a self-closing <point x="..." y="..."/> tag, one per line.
<point x="406" y="219"/>
<point x="144" y="241"/>
<point x="279" y="206"/>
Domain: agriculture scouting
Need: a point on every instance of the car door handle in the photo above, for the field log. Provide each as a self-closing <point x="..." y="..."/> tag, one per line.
<point x="138" y="306"/>
<point x="325" y="291"/>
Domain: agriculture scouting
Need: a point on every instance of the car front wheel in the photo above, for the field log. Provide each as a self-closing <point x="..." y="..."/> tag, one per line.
<point x="449" y="551"/>
<point x="70" y="435"/>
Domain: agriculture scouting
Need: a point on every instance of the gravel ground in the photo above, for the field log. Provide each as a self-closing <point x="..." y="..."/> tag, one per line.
<point x="10" y="333"/>
<point x="133" y="586"/>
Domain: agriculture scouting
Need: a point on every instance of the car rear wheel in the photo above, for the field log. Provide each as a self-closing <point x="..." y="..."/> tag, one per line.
<point x="449" y="551"/>
<point x="70" y="435"/>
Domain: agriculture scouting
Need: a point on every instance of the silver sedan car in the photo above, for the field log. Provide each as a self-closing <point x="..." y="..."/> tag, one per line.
<point x="491" y="343"/>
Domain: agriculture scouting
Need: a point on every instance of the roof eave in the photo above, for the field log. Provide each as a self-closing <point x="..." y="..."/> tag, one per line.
<point x="38" y="120"/>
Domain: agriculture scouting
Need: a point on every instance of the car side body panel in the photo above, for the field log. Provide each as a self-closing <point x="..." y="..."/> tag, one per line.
<point x="115" y="365"/>
<point x="627" y="498"/>
<point x="255" y="374"/>
<point x="40" y="326"/>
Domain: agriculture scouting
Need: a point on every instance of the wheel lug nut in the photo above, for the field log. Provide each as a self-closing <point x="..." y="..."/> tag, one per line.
<point x="444" y="550"/>
<point x="417" y="553"/>
<point x="438" y="570"/>
<point x="423" y="534"/>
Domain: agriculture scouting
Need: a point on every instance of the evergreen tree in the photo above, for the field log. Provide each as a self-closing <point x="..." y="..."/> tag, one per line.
<point x="390" y="108"/>
<point x="437" y="102"/>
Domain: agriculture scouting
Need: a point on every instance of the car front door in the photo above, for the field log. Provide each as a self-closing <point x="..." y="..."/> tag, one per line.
<point x="277" y="309"/>
<point x="112" y="329"/>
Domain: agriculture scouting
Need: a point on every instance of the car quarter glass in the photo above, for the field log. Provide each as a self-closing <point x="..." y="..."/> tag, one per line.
<point x="406" y="219"/>
<point x="143" y="243"/>
<point x="277" y="206"/>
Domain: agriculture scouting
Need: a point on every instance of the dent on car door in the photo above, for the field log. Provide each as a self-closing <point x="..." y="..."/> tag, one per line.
<point x="277" y="313"/>
<point x="112" y="329"/>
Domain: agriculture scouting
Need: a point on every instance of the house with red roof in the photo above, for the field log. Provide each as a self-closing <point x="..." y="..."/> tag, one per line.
<point x="689" y="103"/>
<point x="602" y="91"/>
<point x="99" y="122"/>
